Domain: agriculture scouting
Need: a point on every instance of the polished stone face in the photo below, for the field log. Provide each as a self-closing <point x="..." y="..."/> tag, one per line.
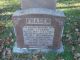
<point x="25" y="4"/>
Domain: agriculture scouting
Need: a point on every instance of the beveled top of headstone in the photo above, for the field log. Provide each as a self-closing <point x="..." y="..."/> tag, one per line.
<point x="39" y="11"/>
<point x="50" y="4"/>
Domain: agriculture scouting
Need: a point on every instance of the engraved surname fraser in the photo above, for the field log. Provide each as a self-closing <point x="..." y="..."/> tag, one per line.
<point x="38" y="21"/>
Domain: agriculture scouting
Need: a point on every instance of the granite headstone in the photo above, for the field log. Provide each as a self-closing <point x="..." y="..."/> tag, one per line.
<point x="38" y="28"/>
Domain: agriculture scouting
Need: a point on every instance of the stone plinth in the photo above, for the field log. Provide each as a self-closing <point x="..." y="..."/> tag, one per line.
<point x="38" y="29"/>
<point x="50" y="4"/>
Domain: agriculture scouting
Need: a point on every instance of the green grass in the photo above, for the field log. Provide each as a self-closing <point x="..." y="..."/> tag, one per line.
<point x="71" y="9"/>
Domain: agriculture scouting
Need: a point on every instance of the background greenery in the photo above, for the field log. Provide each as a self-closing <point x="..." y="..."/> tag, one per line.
<point x="71" y="9"/>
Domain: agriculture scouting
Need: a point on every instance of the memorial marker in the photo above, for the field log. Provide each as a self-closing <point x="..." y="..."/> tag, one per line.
<point x="38" y="28"/>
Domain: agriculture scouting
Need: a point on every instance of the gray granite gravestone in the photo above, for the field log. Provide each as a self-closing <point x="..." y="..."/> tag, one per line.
<point x="50" y="4"/>
<point x="38" y="28"/>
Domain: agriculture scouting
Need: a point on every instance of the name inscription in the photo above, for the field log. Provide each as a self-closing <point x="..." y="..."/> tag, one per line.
<point x="38" y="21"/>
<point x="38" y="35"/>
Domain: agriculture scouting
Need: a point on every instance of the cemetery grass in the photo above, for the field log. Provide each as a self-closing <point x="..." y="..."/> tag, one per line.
<point x="71" y="9"/>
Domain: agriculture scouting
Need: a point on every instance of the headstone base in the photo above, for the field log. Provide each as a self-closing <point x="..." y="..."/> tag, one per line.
<point x="35" y="50"/>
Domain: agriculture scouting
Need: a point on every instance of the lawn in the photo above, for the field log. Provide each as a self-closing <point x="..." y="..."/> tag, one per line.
<point x="71" y="34"/>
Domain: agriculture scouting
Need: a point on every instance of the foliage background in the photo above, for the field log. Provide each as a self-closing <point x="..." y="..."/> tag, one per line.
<point x="71" y="9"/>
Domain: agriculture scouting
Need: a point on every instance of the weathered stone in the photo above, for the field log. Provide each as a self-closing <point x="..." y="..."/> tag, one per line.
<point x="51" y="4"/>
<point x="38" y="29"/>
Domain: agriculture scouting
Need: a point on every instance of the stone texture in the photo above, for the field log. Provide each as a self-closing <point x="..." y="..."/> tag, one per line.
<point x="18" y="50"/>
<point x="28" y="18"/>
<point x="51" y="4"/>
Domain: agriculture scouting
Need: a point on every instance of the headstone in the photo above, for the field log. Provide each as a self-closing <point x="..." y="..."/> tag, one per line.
<point x="38" y="29"/>
<point x="51" y="4"/>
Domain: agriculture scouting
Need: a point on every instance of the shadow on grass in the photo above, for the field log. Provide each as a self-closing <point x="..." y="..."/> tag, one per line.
<point x="10" y="8"/>
<point x="66" y="7"/>
<point x="5" y="17"/>
<point x="68" y="1"/>
<point x="72" y="22"/>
